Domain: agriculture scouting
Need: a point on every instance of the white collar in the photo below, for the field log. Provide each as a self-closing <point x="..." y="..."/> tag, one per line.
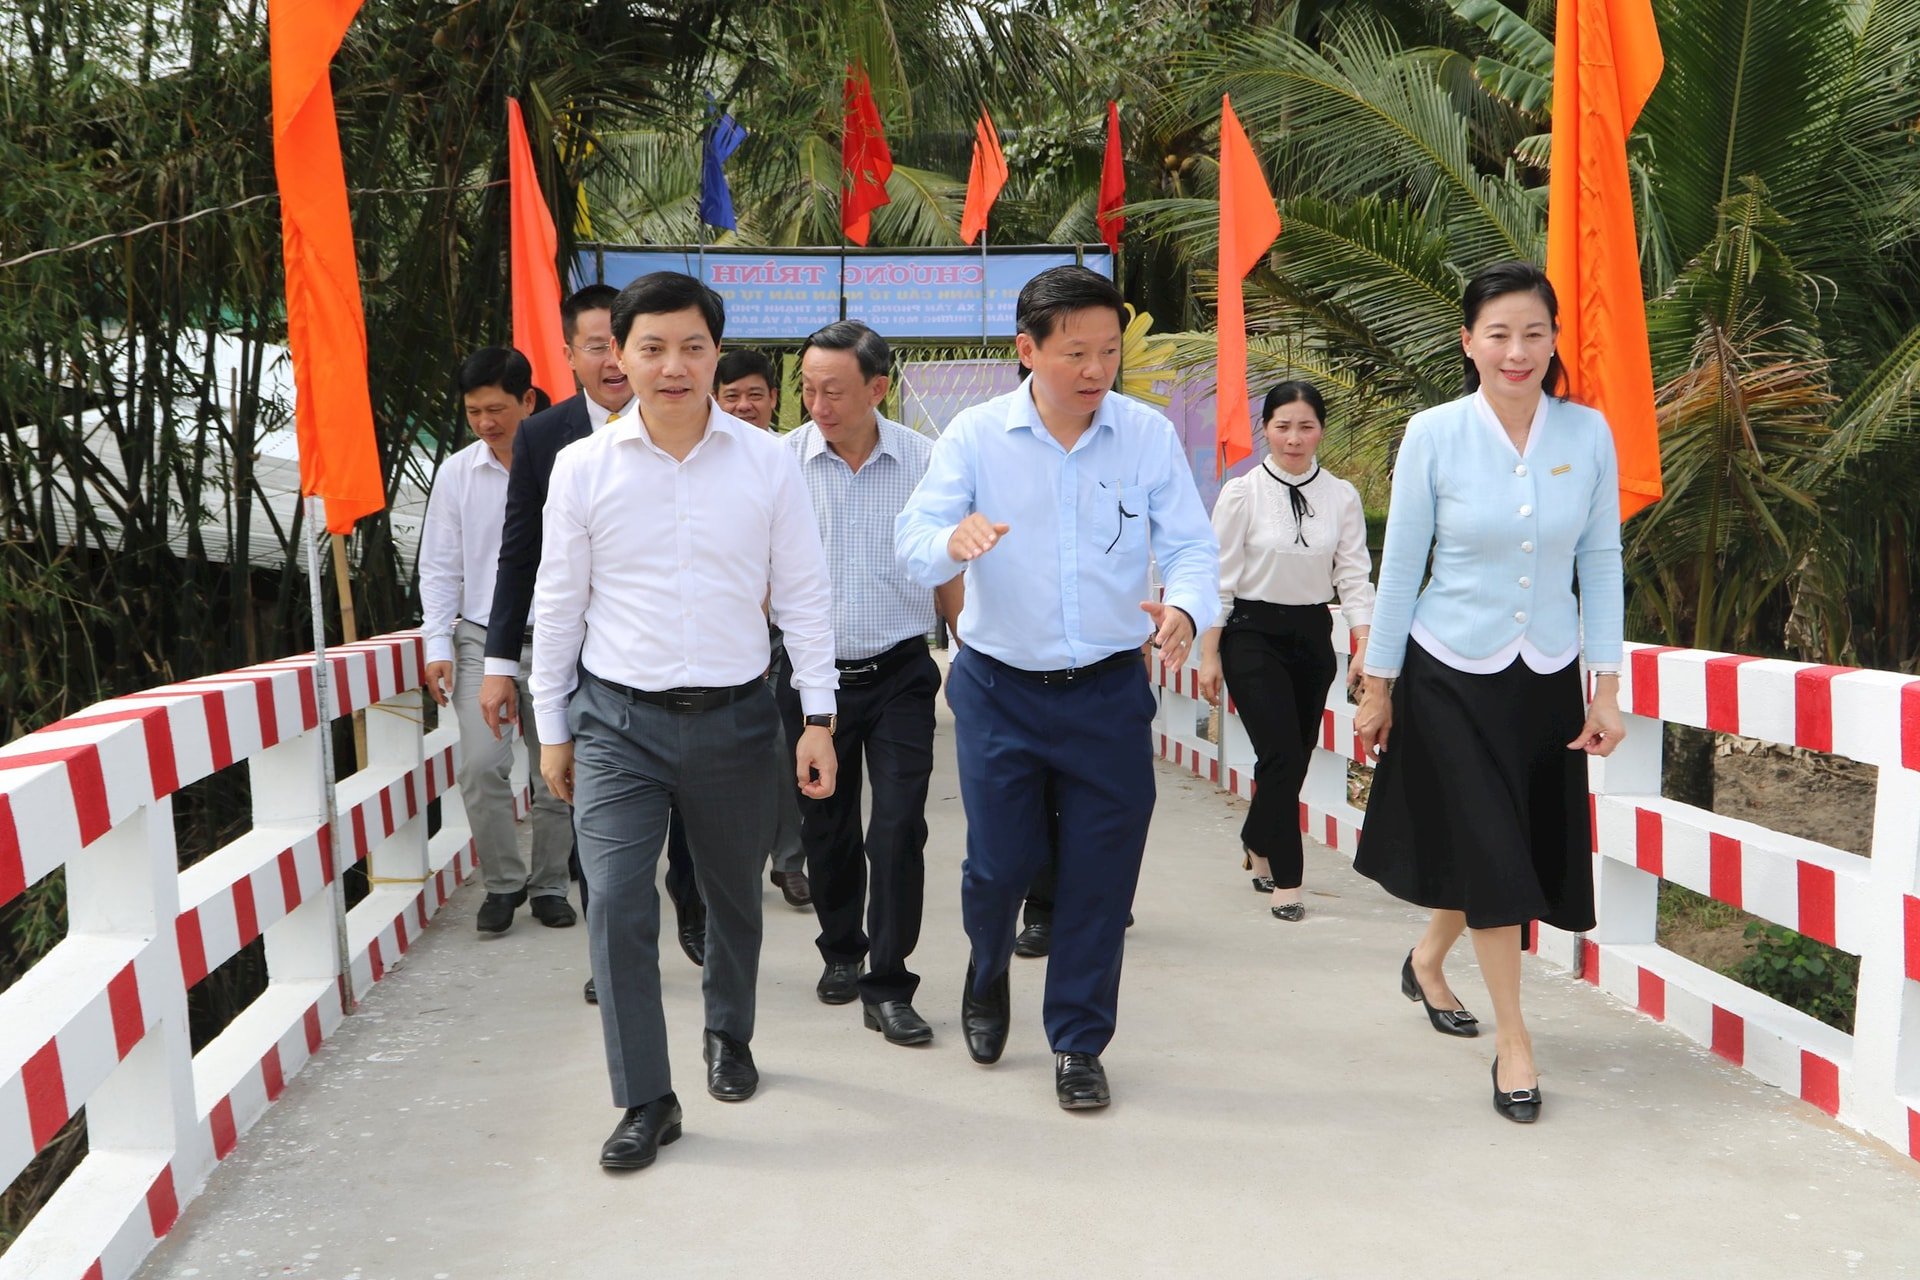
<point x="1492" y="419"/>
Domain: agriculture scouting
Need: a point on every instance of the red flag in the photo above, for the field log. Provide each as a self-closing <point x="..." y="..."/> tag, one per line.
<point x="535" y="279"/>
<point x="1113" y="184"/>
<point x="1606" y="60"/>
<point x="1249" y="224"/>
<point x="984" y="183"/>
<point x="326" y="327"/>
<point x="865" y="162"/>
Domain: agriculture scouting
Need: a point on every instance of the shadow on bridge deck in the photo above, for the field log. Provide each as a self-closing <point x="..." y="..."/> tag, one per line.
<point x="1280" y="1110"/>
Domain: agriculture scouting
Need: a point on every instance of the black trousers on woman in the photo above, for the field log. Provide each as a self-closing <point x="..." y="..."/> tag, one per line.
<point x="1278" y="663"/>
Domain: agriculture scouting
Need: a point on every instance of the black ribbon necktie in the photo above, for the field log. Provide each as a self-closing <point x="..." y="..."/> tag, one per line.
<point x="1298" y="501"/>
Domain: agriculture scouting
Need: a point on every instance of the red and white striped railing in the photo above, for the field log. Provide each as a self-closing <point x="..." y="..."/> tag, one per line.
<point x="1869" y="907"/>
<point x="100" y="1022"/>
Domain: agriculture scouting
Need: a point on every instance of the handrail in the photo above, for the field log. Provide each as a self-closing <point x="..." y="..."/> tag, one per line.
<point x="100" y="1021"/>
<point x="1867" y="906"/>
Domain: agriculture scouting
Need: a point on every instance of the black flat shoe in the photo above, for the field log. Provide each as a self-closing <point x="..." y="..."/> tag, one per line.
<point x="731" y="1075"/>
<point x="593" y="997"/>
<point x="985" y="1019"/>
<point x="1261" y="884"/>
<point x="839" y="982"/>
<point x="1035" y="940"/>
<point x="1291" y="912"/>
<point x="793" y="886"/>
<point x="1522" y="1106"/>
<point x="554" y="911"/>
<point x="1080" y="1082"/>
<point x="642" y="1131"/>
<point x="896" y="1020"/>
<point x="496" y="913"/>
<point x="693" y="934"/>
<point x="1449" y="1022"/>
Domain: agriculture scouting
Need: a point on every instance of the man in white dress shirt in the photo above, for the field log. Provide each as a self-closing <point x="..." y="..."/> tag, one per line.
<point x="459" y="549"/>
<point x="664" y="534"/>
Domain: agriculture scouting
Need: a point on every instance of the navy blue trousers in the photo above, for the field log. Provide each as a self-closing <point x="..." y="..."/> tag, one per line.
<point x="1092" y="741"/>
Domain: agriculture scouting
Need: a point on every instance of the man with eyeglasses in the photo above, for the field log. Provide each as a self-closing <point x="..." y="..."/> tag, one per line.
<point x="1054" y="500"/>
<point x="586" y="322"/>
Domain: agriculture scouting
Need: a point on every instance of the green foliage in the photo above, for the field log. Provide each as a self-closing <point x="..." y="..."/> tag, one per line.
<point x="1799" y="971"/>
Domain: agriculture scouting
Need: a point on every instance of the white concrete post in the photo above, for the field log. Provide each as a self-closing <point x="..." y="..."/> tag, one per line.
<point x="1886" y="1027"/>
<point x="394" y="738"/>
<point x="1627" y="899"/>
<point x="286" y="779"/>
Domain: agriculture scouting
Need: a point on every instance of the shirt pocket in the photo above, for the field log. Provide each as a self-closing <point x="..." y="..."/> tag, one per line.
<point x="1118" y="521"/>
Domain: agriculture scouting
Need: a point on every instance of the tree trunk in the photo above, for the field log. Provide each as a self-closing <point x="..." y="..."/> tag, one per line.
<point x="1686" y="774"/>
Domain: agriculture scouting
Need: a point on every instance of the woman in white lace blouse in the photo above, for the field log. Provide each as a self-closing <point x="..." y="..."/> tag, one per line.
<point x="1292" y="535"/>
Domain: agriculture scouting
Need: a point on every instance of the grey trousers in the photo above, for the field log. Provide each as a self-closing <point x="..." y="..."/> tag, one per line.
<point x="631" y="762"/>
<point x="788" y="855"/>
<point x="486" y="763"/>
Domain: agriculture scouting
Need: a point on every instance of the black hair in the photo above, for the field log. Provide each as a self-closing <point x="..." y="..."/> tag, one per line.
<point x="1497" y="281"/>
<point x="1286" y="393"/>
<point x="595" y="297"/>
<point x="744" y="362"/>
<point x="501" y="367"/>
<point x="661" y="293"/>
<point x="1052" y="294"/>
<point x="868" y="347"/>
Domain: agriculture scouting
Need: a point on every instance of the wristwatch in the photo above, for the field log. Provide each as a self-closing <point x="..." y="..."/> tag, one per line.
<point x="827" y="722"/>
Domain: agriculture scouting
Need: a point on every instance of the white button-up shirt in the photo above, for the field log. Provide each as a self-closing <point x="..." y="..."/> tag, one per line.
<point x="876" y="602"/>
<point x="652" y="571"/>
<point x="460" y="545"/>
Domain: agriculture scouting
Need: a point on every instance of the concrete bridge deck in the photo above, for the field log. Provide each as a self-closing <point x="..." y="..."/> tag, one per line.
<point x="1280" y="1111"/>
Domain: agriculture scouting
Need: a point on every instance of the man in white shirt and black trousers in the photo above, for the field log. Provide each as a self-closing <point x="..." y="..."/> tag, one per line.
<point x="663" y="535"/>
<point x="459" y="549"/>
<point x="860" y="470"/>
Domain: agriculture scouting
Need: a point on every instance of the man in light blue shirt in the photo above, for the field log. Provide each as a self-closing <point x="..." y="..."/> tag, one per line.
<point x="1085" y="488"/>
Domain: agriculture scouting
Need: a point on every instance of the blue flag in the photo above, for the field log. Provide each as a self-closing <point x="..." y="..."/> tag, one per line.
<point x="723" y="138"/>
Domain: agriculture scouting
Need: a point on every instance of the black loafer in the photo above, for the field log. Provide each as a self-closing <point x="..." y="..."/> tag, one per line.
<point x="1522" y="1106"/>
<point x="1034" y="940"/>
<point x="642" y="1131"/>
<point x="839" y="982"/>
<point x="496" y="913"/>
<point x="593" y="997"/>
<point x="794" y="887"/>
<point x="693" y="935"/>
<point x="985" y="1018"/>
<point x="1080" y="1082"/>
<point x="896" y="1020"/>
<point x="1291" y="912"/>
<point x="731" y="1075"/>
<point x="554" y="911"/>
<point x="1448" y="1022"/>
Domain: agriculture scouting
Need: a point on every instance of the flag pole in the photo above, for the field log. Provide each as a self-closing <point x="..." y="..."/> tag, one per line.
<point x="984" y="286"/>
<point x="323" y="696"/>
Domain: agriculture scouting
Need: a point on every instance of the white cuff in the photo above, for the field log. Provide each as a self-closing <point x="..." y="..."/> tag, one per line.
<point x="1369" y="669"/>
<point x="816" y="702"/>
<point x="440" y="648"/>
<point x="553" y="728"/>
<point x="509" y="667"/>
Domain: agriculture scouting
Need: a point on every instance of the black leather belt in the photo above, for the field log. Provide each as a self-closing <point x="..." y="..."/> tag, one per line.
<point x="865" y="671"/>
<point x="683" y="702"/>
<point x="1069" y="675"/>
<point x="528" y="638"/>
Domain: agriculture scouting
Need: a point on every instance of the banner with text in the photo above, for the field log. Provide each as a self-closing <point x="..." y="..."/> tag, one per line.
<point x="785" y="294"/>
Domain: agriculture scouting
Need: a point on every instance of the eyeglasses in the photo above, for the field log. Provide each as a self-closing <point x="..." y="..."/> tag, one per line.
<point x="1120" y="505"/>
<point x="594" y="348"/>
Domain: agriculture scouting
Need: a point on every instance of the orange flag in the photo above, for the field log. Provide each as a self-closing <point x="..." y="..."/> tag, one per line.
<point x="535" y="279"/>
<point x="1249" y="224"/>
<point x="984" y="183"/>
<point x="1606" y="61"/>
<point x="326" y="328"/>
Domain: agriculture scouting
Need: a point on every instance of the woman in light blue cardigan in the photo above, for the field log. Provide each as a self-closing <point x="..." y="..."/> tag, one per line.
<point x="1479" y="803"/>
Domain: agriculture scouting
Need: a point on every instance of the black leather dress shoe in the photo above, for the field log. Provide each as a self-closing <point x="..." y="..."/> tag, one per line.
<point x="1080" y="1082"/>
<point x="1522" y="1106"/>
<point x="896" y="1020"/>
<point x="1448" y="1022"/>
<point x="985" y="1018"/>
<point x="731" y="1075"/>
<point x="1034" y="940"/>
<point x="593" y="997"/>
<point x="693" y="934"/>
<point x="554" y="911"/>
<point x="496" y="913"/>
<point x="794" y="887"/>
<point x="642" y="1131"/>
<point x="839" y="982"/>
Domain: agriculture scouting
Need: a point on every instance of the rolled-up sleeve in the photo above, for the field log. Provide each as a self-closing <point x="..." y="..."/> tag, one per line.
<point x="942" y="499"/>
<point x="1183" y="540"/>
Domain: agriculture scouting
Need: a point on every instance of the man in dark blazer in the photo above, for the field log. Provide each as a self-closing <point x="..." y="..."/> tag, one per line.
<point x="586" y="322"/>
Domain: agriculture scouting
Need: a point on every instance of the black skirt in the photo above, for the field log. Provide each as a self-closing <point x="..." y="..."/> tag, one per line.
<point x="1478" y="805"/>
